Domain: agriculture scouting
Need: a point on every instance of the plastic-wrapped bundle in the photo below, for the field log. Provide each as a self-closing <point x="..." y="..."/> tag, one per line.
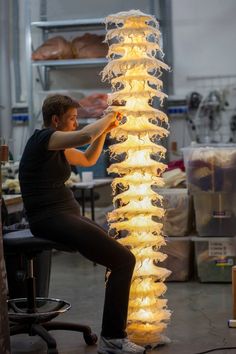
<point x="211" y="168"/>
<point x="53" y="49"/>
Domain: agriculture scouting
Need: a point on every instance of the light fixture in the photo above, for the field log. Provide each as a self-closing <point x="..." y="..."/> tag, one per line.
<point x="134" y="72"/>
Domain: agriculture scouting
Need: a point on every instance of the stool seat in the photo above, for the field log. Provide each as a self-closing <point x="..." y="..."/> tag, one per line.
<point x="33" y="314"/>
<point x="24" y="241"/>
<point x="47" y="309"/>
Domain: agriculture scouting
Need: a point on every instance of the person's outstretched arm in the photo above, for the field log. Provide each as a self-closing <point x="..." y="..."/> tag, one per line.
<point x="63" y="140"/>
<point x="89" y="157"/>
<point x="92" y="153"/>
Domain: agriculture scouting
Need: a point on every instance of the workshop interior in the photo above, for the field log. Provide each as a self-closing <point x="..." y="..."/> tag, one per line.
<point x="158" y="178"/>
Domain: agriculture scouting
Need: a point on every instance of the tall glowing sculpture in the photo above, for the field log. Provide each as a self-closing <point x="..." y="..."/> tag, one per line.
<point x="134" y="71"/>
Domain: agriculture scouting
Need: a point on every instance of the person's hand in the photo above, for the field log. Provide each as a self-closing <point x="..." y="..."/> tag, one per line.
<point x="114" y="121"/>
<point x="111" y="126"/>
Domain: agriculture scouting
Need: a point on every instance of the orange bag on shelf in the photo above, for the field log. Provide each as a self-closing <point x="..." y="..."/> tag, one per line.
<point x="89" y="46"/>
<point x="55" y="48"/>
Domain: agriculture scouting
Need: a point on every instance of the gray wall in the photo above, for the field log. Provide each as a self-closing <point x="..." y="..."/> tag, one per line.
<point x="58" y="9"/>
<point x="203" y="43"/>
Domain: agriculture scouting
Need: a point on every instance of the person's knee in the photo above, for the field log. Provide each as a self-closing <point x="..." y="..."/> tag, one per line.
<point x="125" y="259"/>
<point x="131" y="259"/>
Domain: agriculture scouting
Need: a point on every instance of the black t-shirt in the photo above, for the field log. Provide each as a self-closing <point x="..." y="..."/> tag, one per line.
<point x="42" y="174"/>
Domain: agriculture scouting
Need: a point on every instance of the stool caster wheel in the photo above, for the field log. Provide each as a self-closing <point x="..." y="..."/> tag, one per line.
<point x="90" y="339"/>
<point x="52" y="351"/>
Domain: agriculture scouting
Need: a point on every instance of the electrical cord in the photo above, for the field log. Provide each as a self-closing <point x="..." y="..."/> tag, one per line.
<point x="216" y="349"/>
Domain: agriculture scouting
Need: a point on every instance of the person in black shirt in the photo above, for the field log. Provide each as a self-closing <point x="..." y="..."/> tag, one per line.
<point x="53" y="212"/>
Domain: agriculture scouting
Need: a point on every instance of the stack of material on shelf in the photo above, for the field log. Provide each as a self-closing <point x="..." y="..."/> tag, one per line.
<point x="89" y="46"/>
<point x="92" y="106"/>
<point x="55" y="48"/>
<point x="86" y="46"/>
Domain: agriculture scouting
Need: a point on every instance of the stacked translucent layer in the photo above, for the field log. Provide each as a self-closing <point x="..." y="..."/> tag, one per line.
<point x="136" y="221"/>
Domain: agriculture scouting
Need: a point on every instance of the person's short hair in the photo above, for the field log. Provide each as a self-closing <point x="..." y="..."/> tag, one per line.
<point x="58" y="105"/>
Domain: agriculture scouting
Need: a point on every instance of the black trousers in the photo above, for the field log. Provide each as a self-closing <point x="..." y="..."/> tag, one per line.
<point x="93" y="242"/>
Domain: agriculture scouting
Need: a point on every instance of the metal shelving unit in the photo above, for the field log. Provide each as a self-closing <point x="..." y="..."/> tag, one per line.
<point x="44" y="67"/>
<point x="73" y="63"/>
<point x="56" y="26"/>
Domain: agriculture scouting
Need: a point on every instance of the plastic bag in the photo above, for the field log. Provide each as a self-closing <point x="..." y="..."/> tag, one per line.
<point x="89" y="46"/>
<point x="53" y="49"/>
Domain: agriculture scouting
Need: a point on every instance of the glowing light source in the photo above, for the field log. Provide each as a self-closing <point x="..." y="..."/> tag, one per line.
<point x="134" y="72"/>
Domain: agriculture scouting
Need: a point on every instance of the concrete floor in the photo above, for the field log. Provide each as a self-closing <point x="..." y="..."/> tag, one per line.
<point x="199" y="318"/>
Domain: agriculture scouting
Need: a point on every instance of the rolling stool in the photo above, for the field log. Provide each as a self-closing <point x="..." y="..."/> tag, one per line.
<point x="33" y="314"/>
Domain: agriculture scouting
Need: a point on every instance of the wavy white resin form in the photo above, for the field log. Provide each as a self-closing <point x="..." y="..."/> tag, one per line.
<point x="134" y="73"/>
